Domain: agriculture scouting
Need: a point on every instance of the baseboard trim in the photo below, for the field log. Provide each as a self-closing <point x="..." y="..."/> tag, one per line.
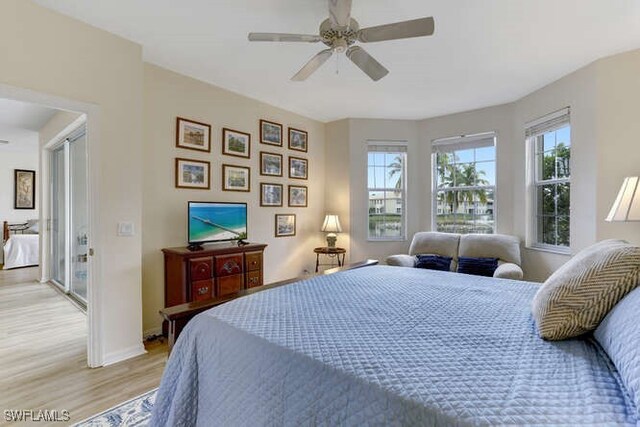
<point x="127" y="353"/>
<point x="152" y="332"/>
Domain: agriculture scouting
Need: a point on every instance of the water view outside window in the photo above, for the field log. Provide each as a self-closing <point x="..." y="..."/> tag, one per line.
<point x="464" y="187"/>
<point x="386" y="181"/>
<point x="553" y="187"/>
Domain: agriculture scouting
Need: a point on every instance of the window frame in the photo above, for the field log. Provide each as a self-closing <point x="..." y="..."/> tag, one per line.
<point x="434" y="187"/>
<point x="403" y="149"/>
<point x="535" y="182"/>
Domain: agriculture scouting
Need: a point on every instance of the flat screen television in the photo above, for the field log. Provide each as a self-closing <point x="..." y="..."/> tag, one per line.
<point x="216" y="222"/>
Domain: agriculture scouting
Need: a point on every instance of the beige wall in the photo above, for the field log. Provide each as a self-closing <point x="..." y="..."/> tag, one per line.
<point x="168" y="95"/>
<point x="603" y="99"/>
<point x="48" y="53"/>
<point x="20" y="153"/>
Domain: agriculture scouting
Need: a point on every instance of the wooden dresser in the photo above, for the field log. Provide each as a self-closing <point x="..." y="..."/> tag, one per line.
<point x="216" y="271"/>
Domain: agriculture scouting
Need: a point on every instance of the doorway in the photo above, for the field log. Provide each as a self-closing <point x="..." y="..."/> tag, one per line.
<point x="68" y="214"/>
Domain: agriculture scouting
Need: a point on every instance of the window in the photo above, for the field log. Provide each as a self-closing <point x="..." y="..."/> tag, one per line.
<point x="386" y="174"/>
<point x="549" y="141"/>
<point x="464" y="184"/>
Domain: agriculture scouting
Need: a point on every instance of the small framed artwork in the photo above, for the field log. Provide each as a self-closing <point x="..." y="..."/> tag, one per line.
<point x="285" y="225"/>
<point x="298" y="168"/>
<point x="270" y="164"/>
<point x="236" y="143"/>
<point x="270" y="133"/>
<point x="270" y="194"/>
<point x="298" y="140"/>
<point x="297" y="196"/>
<point x="236" y="178"/>
<point x="24" y="189"/>
<point x="193" y="135"/>
<point x="192" y="174"/>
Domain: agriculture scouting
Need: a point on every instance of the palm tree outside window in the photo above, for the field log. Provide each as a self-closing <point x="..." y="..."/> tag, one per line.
<point x="464" y="184"/>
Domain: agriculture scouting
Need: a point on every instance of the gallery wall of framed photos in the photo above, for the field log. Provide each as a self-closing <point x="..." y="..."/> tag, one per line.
<point x="224" y="153"/>
<point x="196" y="174"/>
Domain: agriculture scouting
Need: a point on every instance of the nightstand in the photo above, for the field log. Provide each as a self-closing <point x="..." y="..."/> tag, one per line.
<point x="337" y="253"/>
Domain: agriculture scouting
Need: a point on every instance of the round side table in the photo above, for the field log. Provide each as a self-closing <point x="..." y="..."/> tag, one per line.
<point x="338" y="253"/>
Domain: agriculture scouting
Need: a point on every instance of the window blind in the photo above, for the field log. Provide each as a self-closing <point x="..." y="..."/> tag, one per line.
<point x="386" y="147"/>
<point x="548" y="123"/>
<point x="466" y="142"/>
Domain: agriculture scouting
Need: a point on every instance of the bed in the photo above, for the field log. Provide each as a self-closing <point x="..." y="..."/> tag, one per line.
<point x="20" y="246"/>
<point x="387" y="346"/>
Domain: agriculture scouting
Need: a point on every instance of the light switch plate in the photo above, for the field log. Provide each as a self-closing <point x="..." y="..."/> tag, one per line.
<point x="126" y="229"/>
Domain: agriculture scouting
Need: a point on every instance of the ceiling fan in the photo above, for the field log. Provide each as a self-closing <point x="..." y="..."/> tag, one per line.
<point x="340" y="32"/>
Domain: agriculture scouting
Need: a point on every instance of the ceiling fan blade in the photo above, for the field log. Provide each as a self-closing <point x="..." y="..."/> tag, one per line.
<point x="399" y="30"/>
<point x="340" y="13"/>
<point x="283" y="37"/>
<point x="366" y="63"/>
<point x="313" y="64"/>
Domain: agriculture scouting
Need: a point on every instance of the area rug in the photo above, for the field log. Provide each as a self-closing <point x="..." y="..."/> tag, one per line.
<point x="134" y="412"/>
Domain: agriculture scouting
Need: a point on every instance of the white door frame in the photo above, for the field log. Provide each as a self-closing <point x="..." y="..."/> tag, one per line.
<point x="95" y="336"/>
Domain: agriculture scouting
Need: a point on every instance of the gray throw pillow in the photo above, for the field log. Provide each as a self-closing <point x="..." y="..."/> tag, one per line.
<point x="576" y="298"/>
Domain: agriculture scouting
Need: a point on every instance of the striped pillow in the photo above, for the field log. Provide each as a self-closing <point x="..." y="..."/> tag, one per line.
<point x="576" y="298"/>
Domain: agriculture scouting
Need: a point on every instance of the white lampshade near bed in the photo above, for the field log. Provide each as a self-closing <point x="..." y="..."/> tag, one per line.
<point x="332" y="226"/>
<point x="627" y="205"/>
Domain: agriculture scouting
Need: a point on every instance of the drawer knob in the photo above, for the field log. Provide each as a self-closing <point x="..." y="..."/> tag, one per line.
<point x="229" y="266"/>
<point x="203" y="290"/>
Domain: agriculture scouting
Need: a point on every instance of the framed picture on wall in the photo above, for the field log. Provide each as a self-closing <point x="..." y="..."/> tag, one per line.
<point x="24" y="189"/>
<point x="298" y="140"/>
<point x="236" y="143"/>
<point x="193" y="135"/>
<point x="298" y="168"/>
<point x="270" y="194"/>
<point x="297" y="196"/>
<point x="270" y="164"/>
<point x="285" y="225"/>
<point x="270" y="133"/>
<point x="236" y="178"/>
<point x="192" y="174"/>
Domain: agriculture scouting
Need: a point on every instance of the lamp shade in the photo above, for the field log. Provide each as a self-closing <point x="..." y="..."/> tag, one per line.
<point x="627" y="204"/>
<point x="331" y="224"/>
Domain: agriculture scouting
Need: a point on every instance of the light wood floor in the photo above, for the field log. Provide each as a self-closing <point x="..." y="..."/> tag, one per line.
<point x="43" y="359"/>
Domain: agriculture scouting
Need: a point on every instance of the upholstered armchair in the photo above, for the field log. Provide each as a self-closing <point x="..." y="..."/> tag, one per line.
<point x="503" y="247"/>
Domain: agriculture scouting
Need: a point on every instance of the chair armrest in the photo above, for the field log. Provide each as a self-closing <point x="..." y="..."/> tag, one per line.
<point x="401" y="260"/>
<point x="508" y="270"/>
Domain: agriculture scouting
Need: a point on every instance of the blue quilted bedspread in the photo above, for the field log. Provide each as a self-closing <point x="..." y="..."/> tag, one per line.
<point x="386" y="346"/>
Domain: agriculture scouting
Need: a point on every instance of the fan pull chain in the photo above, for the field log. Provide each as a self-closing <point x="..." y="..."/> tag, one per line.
<point x="337" y="64"/>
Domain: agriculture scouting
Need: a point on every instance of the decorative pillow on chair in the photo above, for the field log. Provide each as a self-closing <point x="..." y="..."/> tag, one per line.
<point x="434" y="262"/>
<point x="576" y="298"/>
<point x="477" y="266"/>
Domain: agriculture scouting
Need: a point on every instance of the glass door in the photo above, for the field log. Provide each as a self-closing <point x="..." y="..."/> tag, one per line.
<point x="79" y="215"/>
<point x="69" y="215"/>
<point x="58" y="217"/>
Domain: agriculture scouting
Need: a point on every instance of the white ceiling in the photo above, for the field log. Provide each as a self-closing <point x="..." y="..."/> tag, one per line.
<point x="483" y="52"/>
<point x="23" y="115"/>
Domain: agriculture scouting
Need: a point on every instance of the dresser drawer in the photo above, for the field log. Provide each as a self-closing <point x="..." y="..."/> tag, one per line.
<point x="254" y="278"/>
<point x="229" y="284"/>
<point x="201" y="268"/>
<point x="253" y="261"/>
<point x="201" y="290"/>
<point x="226" y="265"/>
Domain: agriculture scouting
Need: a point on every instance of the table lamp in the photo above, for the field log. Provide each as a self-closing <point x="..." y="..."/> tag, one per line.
<point x="627" y="205"/>
<point x="332" y="226"/>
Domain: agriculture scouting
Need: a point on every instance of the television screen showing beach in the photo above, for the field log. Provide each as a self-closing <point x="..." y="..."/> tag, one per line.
<point x="217" y="221"/>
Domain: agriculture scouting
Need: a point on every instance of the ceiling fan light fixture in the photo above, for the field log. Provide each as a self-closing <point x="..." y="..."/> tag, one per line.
<point x="340" y="31"/>
<point x="340" y="45"/>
